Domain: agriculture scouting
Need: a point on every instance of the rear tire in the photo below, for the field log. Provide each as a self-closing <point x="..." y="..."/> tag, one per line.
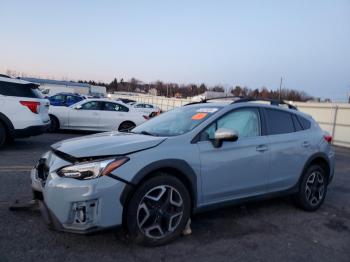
<point x="126" y="126"/>
<point x="158" y="211"/>
<point x="3" y="134"/>
<point x="54" y="124"/>
<point x="312" y="188"/>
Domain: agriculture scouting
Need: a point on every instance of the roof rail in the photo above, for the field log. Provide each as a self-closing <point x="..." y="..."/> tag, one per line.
<point x="6" y="76"/>
<point x="204" y="100"/>
<point x="272" y="102"/>
<point x="240" y="99"/>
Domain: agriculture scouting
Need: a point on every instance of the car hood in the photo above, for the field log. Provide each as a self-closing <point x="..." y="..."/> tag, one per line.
<point x="106" y="144"/>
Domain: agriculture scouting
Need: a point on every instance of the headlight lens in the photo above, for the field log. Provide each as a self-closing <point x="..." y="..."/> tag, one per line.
<point x="90" y="170"/>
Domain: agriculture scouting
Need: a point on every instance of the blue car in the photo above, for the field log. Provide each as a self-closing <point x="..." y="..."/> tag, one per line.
<point x="65" y="99"/>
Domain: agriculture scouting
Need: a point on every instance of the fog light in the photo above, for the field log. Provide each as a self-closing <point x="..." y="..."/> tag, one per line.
<point x="84" y="212"/>
<point x="81" y="214"/>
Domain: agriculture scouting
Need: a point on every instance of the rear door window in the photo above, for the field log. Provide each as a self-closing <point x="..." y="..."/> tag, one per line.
<point x="279" y="122"/>
<point x="92" y="105"/>
<point x="20" y="90"/>
<point x="114" y="107"/>
<point x="306" y="124"/>
<point x="297" y="124"/>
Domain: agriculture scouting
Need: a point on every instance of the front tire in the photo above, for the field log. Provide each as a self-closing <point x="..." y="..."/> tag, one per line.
<point x="158" y="211"/>
<point x="54" y="124"/>
<point x="3" y="134"/>
<point x="126" y="126"/>
<point x="312" y="189"/>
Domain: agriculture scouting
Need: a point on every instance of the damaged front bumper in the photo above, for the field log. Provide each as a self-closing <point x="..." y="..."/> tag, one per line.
<point x="78" y="206"/>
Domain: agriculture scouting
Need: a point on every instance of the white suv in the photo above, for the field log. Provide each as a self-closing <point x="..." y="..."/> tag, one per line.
<point x="23" y="110"/>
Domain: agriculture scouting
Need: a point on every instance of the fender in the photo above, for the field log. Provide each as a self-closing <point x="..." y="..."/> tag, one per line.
<point x="8" y="124"/>
<point x="319" y="155"/>
<point x="182" y="167"/>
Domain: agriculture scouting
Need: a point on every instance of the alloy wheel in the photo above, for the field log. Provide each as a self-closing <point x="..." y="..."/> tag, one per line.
<point x="160" y="211"/>
<point x="315" y="187"/>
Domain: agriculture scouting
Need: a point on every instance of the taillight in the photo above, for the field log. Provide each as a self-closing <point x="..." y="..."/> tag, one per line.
<point x="146" y="117"/>
<point x="33" y="106"/>
<point x="328" y="138"/>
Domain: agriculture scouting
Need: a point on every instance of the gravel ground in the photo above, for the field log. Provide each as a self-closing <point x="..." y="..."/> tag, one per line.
<point x="271" y="230"/>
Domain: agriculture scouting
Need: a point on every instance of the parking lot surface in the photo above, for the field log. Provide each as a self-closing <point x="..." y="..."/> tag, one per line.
<point x="272" y="230"/>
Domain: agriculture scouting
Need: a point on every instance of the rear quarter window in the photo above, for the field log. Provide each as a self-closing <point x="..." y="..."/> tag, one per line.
<point x="20" y="90"/>
<point x="279" y="122"/>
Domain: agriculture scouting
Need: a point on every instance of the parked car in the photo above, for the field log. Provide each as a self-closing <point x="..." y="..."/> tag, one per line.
<point x="187" y="160"/>
<point x="65" y="99"/>
<point x="125" y="100"/>
<point x="151" y="110"/>
<point x="23" y="110"/>
<point x="95" y="115"/>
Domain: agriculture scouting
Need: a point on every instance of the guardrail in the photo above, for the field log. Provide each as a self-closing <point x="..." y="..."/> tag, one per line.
<point x="333" y="118"/>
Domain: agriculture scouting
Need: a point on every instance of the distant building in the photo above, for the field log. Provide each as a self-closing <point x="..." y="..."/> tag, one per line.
<point x="153" y="92"/>
<point x="51" y="87"/>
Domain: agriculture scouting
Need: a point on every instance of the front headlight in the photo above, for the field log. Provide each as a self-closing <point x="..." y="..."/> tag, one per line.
<point x="91" y="170"/>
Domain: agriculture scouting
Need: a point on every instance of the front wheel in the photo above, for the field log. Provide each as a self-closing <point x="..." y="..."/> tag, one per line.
<point x="126" y="126"/>
<point x="2" y="134"/>
<point x="312" y="189"/>
<point x="54" y="124"/>
<point x="158" y="211"/>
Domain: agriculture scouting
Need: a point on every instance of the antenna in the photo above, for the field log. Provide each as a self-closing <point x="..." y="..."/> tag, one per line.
<point x="280" y="94"/>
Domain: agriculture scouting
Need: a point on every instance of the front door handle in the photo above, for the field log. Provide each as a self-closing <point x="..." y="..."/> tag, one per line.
<point x="305" y="144"/>
<point x="262" y="148"/>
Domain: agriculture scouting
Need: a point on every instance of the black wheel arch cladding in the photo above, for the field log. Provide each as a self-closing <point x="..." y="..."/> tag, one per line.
<point x="177" y="167"/>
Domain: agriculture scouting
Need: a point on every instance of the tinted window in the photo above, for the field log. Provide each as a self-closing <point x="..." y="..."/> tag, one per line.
<point x="114" y="107"/>
<point x="246" y="122"/>
<point x="306" y="124"/>
<point x="58" y="97"/>
<point x="92" y="105"/>
<point x="21" y="90"/>
<point x="297" y="124"/>
<point x="279" y="122"/>
<point x="73" y="98"/>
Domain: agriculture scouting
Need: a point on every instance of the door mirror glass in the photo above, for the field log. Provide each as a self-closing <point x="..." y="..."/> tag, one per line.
<point x="224" y="134"/>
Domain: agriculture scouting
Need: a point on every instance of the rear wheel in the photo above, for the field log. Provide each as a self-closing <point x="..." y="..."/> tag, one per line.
<point x="54" y="124"/>
<point x="126" y="126"/>
<point x="3" y="134"/>
<point x="158" y="211"/>
<point x="312" y="189"/>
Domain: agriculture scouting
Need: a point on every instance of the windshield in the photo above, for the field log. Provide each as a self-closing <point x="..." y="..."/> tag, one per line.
<point x="176" y="122"/>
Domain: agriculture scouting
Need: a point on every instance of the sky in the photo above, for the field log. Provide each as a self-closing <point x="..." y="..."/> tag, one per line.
<point x="250" y="43"/>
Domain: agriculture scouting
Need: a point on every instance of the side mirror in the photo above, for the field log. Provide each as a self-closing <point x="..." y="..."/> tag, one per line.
<point x="224" y="134"/>
<point x="77" y="107"/>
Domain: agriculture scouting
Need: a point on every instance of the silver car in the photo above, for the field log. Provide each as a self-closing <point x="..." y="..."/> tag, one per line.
<point x="200" y="156"/>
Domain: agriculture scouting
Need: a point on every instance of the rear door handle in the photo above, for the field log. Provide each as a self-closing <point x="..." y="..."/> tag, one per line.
<point x="305" y="144"/>
<point x="262" y="148"/>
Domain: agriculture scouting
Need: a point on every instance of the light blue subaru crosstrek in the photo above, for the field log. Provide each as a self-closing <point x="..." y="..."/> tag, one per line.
<point x="200" y="156"/>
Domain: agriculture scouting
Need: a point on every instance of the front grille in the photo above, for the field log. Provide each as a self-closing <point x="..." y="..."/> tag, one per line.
<point x="42" y="169"/>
